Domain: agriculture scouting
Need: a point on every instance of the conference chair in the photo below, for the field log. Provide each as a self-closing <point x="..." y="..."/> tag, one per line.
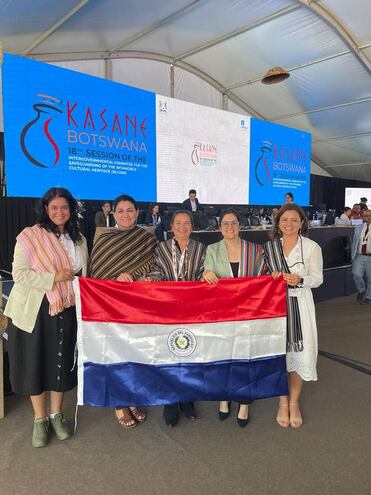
<point x="142" y="217"/>
<point x="254" y="220"/>
<point x="330" y="218"/>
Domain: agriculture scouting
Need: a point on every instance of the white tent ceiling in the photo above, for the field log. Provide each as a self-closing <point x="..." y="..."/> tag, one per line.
<point x="215" y="52"/>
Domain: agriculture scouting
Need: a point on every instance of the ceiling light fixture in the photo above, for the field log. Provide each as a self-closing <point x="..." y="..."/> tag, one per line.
<point x="275" y="75"/>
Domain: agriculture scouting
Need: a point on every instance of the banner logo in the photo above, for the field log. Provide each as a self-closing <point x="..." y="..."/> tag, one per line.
<point x="262" y="172"/>
<point x="182" y="342"/>
<point x="162" y="106"/>
<point x="244" y="125"/>
<point x="48" y="155"/>
<point x="204" y="154"/>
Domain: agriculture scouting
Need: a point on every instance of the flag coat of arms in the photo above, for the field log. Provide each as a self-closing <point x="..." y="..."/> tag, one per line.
<point x="153" y="343"/>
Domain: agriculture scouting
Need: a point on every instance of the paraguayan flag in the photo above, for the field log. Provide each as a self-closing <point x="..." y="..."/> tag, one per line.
<point x="152" y="343"/>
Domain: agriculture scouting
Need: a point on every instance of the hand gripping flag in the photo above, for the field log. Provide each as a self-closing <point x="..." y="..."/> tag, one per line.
<point x="152" y="343"/>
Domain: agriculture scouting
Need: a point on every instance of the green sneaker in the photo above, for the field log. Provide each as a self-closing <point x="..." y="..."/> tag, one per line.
<point x="60" y="426"/>
<point x="40" y="432"/>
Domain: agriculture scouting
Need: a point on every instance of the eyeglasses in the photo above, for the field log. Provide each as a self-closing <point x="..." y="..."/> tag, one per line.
<point x="230" y="224"/>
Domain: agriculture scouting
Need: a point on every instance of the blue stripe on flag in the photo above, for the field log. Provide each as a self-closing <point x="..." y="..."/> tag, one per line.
<point x="130" y="384"/>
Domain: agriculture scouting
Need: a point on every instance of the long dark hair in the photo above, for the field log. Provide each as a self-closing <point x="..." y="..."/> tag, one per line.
<point x="277" y="234"/>
<point x="72" y="227"/>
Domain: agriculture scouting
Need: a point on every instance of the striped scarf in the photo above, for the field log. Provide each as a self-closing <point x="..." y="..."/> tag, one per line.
<point x="193" y="266"/>
<point x="276" y="262"/>
<point x="45" y="253"/>
<point x="122" y="251"/>
<point x="252" y="260"/>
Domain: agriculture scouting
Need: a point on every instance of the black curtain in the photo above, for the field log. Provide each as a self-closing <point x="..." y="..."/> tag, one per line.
<point x="18" y="213"/>
<point x="2" y="167"/>
<point x="331" y="190"/>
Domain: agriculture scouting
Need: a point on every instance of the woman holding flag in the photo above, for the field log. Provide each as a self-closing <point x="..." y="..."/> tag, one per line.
<point x="233" y="257"/>
<point x="291" y="255"/>
<point x="125" y="254"/>
<point x="41" y="306"/>
<point x="179" y="259"/>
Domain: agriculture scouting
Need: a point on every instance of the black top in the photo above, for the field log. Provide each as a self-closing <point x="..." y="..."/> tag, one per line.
<point x="235" y="266"/>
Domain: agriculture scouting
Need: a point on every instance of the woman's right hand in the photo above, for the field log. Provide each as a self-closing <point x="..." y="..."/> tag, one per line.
<point x="276" y="274"/>
<point x="125" y="277"/>
<point x="64" y="275"/>
<point x="210" y="277"/>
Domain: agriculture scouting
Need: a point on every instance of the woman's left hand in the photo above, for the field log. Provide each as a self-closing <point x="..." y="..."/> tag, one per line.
<point x="291" y="278"/>
<point x="125" y="277"/>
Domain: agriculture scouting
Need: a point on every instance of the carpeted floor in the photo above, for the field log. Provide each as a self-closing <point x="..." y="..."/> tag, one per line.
<point x="330" y="454"/>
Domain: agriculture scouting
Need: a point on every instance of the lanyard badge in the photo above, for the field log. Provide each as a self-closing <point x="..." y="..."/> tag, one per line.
<point x="179" y="273"/>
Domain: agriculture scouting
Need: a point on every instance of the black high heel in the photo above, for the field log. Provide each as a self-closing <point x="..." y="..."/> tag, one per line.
<point x="225" y="415"/>
<point x="171" y="414"/>
<point x="242" y="422"/>
<point x="188" y="409"/>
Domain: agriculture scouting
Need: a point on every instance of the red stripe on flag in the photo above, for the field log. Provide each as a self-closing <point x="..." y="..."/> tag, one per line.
<point x="182" y="302"/>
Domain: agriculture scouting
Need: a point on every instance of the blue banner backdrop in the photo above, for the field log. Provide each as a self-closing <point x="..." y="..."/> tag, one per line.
<point x="279" y="162"/>
<point x="95" y="137"/>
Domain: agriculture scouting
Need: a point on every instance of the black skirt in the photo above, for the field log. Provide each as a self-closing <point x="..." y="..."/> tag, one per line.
<point x="43" y="360"/>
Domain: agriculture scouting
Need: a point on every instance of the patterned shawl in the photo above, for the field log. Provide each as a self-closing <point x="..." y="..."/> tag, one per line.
<point x="276" y="262"/>
<point x="45" y="253"/>
<point x="192" y="268"/>
<point x="252" y="260"/>
<point x="119" y="251"/>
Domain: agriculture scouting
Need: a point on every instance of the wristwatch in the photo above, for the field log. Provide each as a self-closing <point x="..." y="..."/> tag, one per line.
<point x="301" y="281"/>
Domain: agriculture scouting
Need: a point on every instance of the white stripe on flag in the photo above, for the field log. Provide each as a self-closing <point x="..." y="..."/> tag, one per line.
<point x="109" y="343"/>
<point x="79" y="340"/>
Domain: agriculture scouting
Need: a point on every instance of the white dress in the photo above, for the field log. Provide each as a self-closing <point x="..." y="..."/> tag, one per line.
<point x="306" y="260"/>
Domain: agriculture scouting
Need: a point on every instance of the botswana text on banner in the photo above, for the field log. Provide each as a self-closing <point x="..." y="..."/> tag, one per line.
<point x="152" y="343"/>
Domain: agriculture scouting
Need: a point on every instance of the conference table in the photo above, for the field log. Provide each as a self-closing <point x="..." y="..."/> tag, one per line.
<point x="335" y="241"/>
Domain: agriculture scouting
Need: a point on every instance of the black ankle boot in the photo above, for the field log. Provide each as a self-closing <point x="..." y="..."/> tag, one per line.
<point x="188" y="409"/>
<point x="171" y="414"/>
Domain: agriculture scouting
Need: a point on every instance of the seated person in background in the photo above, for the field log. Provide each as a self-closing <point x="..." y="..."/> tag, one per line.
<point x="263" y="216"/>
<point x="274" y="214"/>
<point x="153" y="215"/>
<point x="363" y="204"/>
<point x="192" y="203"/>
<point x="104" y="218"/>
<point x="356" y="213"/>
<point x="165" y="225"/>
<point x="289" y="198"/>
<point x="344" y="218"/>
